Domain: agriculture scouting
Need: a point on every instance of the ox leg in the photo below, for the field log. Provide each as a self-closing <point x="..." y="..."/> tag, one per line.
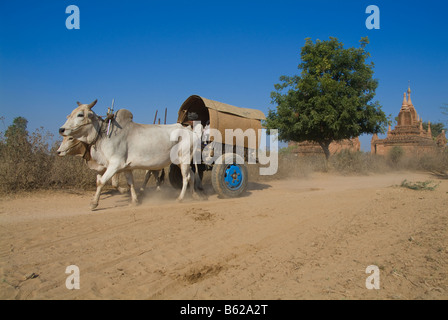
<point x="186" y="174"/>
<point x="160" y="179"/>
<point x="115" y="182"/>
<point x="130" y="180"/>
<point x="192" y="189"/>
<point x="194" y="176"/>
<point x="147" y="176"/>
<point x="111" y="170"/>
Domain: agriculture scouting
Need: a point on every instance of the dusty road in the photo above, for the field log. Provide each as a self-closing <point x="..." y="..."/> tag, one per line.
<point x="292" y="239"/>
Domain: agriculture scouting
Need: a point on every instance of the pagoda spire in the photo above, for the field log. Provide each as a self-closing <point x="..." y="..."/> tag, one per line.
<point x="404" y="105"/>
<point x="409" y="94"/>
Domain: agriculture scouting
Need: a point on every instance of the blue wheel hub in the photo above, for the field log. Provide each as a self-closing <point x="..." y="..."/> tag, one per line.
<point x="233" y="177"/>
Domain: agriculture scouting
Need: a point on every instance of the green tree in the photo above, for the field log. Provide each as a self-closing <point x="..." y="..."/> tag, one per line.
<point x="436" y="128"/>
<point x="331" y="98"/>
<point x="445" y="110"/>
<point x="16" y="134"/>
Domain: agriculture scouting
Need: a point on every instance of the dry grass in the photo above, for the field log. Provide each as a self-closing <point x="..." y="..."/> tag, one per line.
<point x="348" y="162"/>
<point x="352" y="163"/>
<point x="32" y="164"/>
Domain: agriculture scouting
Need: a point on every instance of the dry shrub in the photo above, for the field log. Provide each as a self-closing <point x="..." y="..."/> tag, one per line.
<point x="357" y="162"/>
<point x="70" y="172"/>
<point x="25" y="163"/>
<point x="427" y="161"/>
<point x="395" y="156"/>
<point x="290" y="165"/>
<point x="437" y="161"/>
<point x="28" y="163"/>
<point x="346" y="162"/>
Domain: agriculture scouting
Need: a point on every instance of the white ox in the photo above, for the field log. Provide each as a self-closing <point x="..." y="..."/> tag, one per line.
<point x="130" y="146"/>
<point x="72" y="147"/>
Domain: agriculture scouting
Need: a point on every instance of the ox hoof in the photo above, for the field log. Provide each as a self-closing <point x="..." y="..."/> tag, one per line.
<point x="179" y="200"/>
<point x="122" y="190"/>
<point x="93" y="205"/>
<point x="196" y="196"/>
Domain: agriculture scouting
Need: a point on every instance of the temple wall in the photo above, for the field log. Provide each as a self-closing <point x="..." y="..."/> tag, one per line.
<point x="410" y="150"/>
<point x="378" y="148"/>
<point x="312" y="148"/>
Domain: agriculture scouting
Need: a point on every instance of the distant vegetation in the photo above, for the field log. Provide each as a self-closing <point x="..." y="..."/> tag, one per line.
<point x="436" y="128"/>
<point x="28" y="161"/>
<point x="330" y="99"/>
<point x="347" y="162"/>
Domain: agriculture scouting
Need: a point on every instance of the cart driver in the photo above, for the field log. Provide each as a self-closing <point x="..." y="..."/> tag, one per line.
<point x="191" y="117"/>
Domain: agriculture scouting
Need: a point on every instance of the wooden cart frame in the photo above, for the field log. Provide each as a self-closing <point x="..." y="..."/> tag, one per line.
<point x="230" y="177"/>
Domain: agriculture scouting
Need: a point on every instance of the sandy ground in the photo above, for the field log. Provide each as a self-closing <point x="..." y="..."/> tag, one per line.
<point x="311" y="238"/>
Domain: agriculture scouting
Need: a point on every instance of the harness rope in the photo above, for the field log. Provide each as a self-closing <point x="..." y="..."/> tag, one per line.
<point x="70" y="148"/>
<point x="87" y="156"/>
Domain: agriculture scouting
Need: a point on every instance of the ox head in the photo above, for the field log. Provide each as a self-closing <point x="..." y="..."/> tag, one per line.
<point x="72" y="147"/>
<point x="80" y="122"/>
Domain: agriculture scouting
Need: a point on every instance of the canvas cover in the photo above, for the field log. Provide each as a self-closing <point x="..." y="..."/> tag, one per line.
<point x="222" y="116"/>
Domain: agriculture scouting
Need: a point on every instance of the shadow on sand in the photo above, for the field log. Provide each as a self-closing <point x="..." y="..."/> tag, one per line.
<point x="168" y="193"/>
<point x="440" y="174"/>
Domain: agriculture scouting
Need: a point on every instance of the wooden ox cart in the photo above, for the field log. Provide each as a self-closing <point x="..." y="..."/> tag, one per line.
<point x="229" y="178"/>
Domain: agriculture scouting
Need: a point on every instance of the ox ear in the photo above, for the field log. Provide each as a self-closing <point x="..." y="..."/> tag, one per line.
<point x="79" y="103"/>
<point x="92" y="104"/>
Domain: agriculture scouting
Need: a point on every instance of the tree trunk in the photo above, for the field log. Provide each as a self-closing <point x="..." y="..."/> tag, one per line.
<point x="325" y="145"/>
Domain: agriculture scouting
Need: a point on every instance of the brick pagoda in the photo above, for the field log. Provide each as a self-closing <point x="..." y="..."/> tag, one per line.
<point x="408" y="134"/>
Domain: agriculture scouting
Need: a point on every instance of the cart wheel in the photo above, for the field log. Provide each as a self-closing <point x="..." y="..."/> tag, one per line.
<point x="175" y="176"/>
<point x="229" y="180"/>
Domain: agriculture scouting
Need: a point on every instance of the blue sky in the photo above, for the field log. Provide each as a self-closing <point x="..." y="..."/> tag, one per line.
<point x="150" y="55"/>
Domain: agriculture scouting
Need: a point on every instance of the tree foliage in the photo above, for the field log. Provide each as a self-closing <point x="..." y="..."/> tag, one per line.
<point x="331" y="99"/>
<point x="436" y="128"/>
<point x="18" y="127"/>
<point x="445" y="110"/>
<point x="17" y="135"/>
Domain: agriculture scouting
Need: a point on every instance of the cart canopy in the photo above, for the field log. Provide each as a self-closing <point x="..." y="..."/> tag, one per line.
<point x="221" y="116"/>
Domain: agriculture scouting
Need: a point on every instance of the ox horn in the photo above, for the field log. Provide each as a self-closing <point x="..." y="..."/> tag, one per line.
<point x="92" y="104"/>
<point x="79" y="103"/>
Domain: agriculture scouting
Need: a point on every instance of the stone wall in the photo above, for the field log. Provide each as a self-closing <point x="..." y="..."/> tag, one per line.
<point x="312" y="148"/>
